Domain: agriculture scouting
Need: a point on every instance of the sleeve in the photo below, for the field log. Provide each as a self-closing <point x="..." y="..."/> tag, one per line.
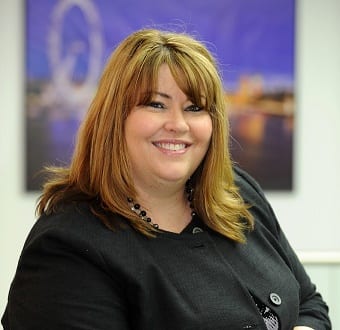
<point x="61" y="283"/>
<point x="313" y="310"/>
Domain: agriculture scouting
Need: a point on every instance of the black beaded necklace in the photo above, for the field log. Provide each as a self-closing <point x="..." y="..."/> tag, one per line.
<point x="135" y="207"/>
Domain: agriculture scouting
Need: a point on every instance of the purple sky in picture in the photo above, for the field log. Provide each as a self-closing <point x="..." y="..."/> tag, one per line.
<point x="246" y="36"/>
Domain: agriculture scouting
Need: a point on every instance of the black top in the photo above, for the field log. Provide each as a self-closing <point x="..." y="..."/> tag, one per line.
<point x="269" y="317"/>
<point x="74" y="273"/>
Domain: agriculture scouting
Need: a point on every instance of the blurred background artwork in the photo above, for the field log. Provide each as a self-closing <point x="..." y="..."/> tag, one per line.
<point x="69" y="41"/>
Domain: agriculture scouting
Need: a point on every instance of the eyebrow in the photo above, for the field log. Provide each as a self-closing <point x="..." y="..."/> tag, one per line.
<point x="167" y="96"/>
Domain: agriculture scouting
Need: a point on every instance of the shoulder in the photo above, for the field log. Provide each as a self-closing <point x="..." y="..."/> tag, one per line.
<point x="75" y="216"/>
<point x="71" y="219"/>
<point x="75" y="270"/>
<point x="253" y="195"/>
<point x="77" y="231"/>
<point x="248" y="186"/>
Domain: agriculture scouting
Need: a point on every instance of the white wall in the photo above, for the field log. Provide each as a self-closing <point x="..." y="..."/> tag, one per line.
<point x="310" y="215"/>
<point x="17" y="208"/>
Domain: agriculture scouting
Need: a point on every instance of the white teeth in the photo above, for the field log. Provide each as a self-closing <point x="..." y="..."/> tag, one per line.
<point x="171" y="146"/>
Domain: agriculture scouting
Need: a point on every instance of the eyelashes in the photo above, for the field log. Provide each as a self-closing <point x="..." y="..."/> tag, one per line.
<point x="160" y="105"/>
<point x="194" y="108"/>
<point x="156" y="105"/>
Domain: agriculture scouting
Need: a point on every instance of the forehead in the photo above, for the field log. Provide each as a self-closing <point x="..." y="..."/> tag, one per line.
<point x="165" y="78"/>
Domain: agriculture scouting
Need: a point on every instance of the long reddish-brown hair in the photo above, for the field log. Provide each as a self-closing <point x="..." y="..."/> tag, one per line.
<point x="99" y="172"/>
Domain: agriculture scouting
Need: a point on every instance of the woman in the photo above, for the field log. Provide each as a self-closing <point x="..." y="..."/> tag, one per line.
<point x="151" y="226"/>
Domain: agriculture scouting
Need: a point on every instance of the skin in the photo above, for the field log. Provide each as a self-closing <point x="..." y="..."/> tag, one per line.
<point x="166" y="141"/>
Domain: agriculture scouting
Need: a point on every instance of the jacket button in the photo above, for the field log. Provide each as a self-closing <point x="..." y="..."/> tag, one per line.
<point x="197" y="230"/>
<point x="275" y="299"/>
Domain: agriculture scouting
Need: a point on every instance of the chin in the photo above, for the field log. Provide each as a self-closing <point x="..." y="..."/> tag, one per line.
<point x="175" y="177"/>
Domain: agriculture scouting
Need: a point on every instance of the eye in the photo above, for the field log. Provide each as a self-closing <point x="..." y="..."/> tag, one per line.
<point x="194" y="108"/>
<point x="156" y="105"/>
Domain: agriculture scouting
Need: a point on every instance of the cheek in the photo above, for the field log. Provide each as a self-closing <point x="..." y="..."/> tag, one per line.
<point x="131" y="133"/>
<point x="203" y="130"/>
<point x="133" y="129"/>
<point x="139" y="125"/>
<point x="209" y="129"/>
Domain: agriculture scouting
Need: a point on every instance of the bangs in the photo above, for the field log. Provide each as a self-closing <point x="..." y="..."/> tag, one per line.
<point x="146" y="83"/>
<point x="196" y="77"/>
<point x="192" y="84"/>
<point x="192" y="77"/>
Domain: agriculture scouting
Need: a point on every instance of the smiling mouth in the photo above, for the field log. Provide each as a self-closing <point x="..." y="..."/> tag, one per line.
<point x="171" y="146"/>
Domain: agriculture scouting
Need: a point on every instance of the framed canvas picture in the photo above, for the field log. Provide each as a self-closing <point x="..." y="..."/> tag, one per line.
<point x="69" y="41"/>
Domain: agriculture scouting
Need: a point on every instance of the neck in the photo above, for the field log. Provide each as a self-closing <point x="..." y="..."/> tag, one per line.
<point x="168" y="208"/>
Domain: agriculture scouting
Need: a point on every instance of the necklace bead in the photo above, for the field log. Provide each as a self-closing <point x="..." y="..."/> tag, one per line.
<point x="135" y="207"/>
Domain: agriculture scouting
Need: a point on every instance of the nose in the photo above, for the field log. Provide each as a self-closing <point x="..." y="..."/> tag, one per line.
<point x="176" y="121"/>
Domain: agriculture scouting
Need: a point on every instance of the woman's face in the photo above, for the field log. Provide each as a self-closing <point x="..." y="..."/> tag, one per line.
<point x="167" y="138"/>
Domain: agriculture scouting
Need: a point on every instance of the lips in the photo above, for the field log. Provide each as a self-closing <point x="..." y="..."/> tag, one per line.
<point x="171" y="146"/>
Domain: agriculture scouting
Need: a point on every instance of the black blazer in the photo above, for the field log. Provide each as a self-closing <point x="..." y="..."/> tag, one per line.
<point x="74" y="273"/>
